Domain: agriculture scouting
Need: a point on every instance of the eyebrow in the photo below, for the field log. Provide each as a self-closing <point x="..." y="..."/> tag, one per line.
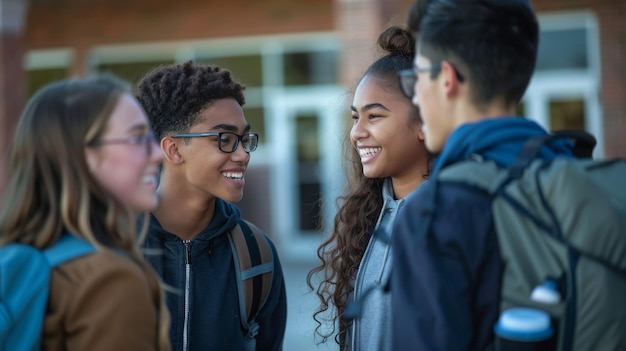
<point x="371" y="106"/>
<point x="231" y="128"/>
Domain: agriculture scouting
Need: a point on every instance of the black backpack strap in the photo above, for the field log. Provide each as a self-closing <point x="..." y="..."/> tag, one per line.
<point x="584" y="144"/>
<point x="254" y="266"/>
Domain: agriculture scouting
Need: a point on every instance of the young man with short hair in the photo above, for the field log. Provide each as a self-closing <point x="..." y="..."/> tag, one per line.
<point x="196" y="112"/>
<point x="474" y="61"/>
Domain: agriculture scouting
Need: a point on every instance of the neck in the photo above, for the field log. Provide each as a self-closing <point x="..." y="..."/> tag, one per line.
<point x="181" y="211"/>
<point x="404" y="185"/>
<point x="467" y="112"/>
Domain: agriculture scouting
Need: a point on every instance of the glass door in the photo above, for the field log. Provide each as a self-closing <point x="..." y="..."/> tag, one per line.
<point x="569" y="102"/>
<point x="307" y="176"/>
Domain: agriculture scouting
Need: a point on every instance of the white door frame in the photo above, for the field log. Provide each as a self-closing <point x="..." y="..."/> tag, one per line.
<point x="565" y="86"/>
<point x="325" y="102"/>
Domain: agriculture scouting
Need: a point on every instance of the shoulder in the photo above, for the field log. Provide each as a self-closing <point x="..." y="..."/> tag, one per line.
<point x="101" y="265"/>
<point x="254" y="227"/>
<point x="447" y="194"/>
<point x="103" y="276"/>
<point x="91" y="293"/>
<point x="454" y="194"/>
<point x="452" y="210"/>
<point x="258" y="231"/>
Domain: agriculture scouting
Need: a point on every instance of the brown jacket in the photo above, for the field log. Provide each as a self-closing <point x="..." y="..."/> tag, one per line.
<point x="104" y="301"/>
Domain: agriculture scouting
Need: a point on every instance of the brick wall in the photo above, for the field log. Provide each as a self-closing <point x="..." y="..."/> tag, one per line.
<point x="81" y="24"/>
<point x="113" y="21"/>
<point x="11" y="96"/>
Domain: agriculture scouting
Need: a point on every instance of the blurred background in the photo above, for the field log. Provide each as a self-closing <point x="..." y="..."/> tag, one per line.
<point x="299" y="61"/>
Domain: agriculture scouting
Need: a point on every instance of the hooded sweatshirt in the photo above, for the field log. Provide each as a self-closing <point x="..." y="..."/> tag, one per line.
<point x="371" y="330"/>
<point x="201" y="278"/>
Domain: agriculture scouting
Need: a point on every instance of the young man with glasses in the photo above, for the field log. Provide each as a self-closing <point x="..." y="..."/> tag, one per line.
<point x="196" y="113"/>
<point x="474" y="61"/>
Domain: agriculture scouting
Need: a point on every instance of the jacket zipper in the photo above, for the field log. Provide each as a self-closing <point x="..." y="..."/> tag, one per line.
<point x="187" y="244"/>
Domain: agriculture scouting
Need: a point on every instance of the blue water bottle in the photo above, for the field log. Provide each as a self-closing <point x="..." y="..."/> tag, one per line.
<point x="526" y="328"/>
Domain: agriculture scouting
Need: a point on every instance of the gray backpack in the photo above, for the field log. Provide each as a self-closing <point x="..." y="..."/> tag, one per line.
<point x="562" y="221"/>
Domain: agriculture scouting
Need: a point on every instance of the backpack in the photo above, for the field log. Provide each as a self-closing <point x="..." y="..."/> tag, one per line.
<point x="562" y="221"/>
<point x="24" y="287"/>
<point x="254" y="265"/>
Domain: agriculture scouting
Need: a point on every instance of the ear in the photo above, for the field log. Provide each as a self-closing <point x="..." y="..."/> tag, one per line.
<point x="451" y="80"/>
<point x="420" y="132"/>
<point x="169" y="146"/>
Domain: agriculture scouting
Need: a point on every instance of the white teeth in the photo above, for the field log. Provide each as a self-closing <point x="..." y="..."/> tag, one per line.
<point x="233" y="175"/>
<point x="369" y="151"/>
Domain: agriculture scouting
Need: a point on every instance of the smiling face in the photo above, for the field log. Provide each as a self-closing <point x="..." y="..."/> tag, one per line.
<point x="208" y="170"/>
<point x="386" y="132"/>
<point x="128" y="170"/>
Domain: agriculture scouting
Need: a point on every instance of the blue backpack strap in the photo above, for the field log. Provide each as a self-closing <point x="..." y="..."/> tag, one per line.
<point x="24" y="281"/>
<point x="24" y="288"/>
<point x="67" y="248"/>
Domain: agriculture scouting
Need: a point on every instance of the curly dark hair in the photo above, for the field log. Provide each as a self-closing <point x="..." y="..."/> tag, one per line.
<point x="359" y="206"/>
<point x="174" y="95"/>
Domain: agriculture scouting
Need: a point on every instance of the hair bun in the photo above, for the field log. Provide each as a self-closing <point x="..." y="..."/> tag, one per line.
<point x="397" y="41"/>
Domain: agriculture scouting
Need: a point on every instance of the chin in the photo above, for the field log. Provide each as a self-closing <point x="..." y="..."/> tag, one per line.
<point x="233" y="198"/>
<point x="371" y="174"/>
<point x="146" y="205"/>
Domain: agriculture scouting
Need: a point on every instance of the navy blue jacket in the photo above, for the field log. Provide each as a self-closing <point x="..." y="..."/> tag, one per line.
<point x="212" y="321"/>
<point x="445" y="284"/>
<point x="446" y="275"/>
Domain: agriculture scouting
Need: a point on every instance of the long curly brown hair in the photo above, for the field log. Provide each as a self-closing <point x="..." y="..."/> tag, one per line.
<point x="359" y="207"/>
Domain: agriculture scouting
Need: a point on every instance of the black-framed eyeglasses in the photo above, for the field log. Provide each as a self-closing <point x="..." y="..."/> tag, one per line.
<point x="227" y="141"/>
<point x="408" y="78"/>
<point x="147" y="140"/>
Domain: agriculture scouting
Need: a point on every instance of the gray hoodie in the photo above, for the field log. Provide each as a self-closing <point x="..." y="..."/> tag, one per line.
<point x="372" y="330"/>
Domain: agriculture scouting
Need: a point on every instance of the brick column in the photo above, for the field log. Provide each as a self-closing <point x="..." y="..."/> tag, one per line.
<point x="359" y="23"/>
<point x="12" y="77"/>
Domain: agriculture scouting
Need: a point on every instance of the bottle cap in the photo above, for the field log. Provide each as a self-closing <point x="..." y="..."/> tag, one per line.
<point x="524" y="324"/>
<point x="546" y="293"/>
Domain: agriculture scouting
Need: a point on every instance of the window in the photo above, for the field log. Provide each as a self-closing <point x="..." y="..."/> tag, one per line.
<point x="246" y="69"/>
<point x="308" y="172"/>
<point x="310" y="68"/>
<point x="563" y="49"/>
<point x="46" y="66"/>
<point x="131" y="71"/>
<point x="567" y="114"/>
<point x="37" y="78"/>
<point x="564" y="91"/>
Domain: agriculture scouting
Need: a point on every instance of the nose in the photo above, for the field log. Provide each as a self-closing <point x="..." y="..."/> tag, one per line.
<point x="240" y="153"/>
<point x="358" y="131"/>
